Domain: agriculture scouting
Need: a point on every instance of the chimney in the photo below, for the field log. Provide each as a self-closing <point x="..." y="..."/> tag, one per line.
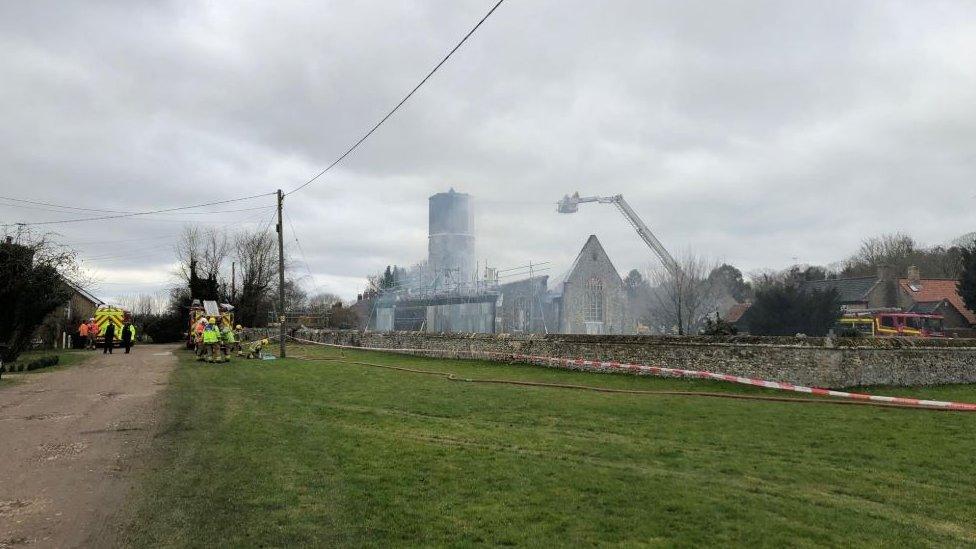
<point x="914" y="276"/>
<point x="884" y="273"/>
<point x="889" y="295"/>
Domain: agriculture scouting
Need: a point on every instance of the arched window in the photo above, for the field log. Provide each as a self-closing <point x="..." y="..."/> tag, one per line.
<point x="593" y="308"/>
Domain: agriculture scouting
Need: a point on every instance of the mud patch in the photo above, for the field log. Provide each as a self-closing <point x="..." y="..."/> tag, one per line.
<point x="13" y="507"/>
<point x="53" y="417"/>
<point x="60" y="451"/>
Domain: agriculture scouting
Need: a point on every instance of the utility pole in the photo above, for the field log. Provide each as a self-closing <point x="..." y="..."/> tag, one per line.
<point x="281" y="279"/>
<point x="233" y="282"/>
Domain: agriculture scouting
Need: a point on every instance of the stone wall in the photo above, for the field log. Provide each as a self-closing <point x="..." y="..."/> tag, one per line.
<point x="820" y="362"/>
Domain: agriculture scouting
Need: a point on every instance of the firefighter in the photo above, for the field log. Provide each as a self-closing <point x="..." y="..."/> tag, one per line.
<point x="254" y="350"/>
<point x="211" y="339"/>
<point x="227" y="342"/>
<point x="199" y="348"/>
<point x="239" y="340"/>
<point x="92" y="333"/>
<point x="83" y="333"/>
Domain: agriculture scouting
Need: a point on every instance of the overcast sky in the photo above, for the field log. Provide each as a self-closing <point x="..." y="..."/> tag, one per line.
<point x="749" y="132"/>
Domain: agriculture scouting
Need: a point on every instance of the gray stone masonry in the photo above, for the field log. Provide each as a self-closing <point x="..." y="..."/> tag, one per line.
<point x="820" y="362"/>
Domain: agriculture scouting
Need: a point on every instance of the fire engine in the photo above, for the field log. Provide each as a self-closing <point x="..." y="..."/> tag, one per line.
<point x="887" y="323"/>
<point x="222" y="312"/>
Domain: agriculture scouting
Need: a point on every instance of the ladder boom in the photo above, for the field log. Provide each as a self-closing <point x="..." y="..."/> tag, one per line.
<point x="569" y="204"/>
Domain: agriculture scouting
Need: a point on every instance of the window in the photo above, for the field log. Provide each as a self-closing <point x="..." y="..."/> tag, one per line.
<point x="888" y="321"/>
<point x="593" y="308"/>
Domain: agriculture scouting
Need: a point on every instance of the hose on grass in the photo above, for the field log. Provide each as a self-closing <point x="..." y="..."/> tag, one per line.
<point x="450" y="376"/>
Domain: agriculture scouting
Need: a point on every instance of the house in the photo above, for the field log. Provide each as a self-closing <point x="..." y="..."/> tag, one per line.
<point x="860" y="293"/>
<point x="62" y="323"/>
<point x="911" y="293"/>
<point x="936" y="296"/>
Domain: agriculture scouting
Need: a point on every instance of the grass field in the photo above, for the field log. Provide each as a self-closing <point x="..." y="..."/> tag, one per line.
<point x="296" y="452"/>
<point x="66" y="357"/>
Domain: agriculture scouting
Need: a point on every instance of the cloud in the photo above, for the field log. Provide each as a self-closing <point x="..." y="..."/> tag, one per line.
<point x="754" y="132"/>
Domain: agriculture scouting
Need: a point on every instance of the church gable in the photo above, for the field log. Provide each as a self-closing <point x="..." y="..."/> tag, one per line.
<point x="594" y="300"/>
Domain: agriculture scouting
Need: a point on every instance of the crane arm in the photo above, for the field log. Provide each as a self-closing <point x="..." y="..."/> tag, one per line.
<point x="569" y="204"/>
<point x="646" y="235"/>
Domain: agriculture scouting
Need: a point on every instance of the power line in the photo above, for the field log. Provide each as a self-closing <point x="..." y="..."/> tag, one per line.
<point x="402" y="101"/>
<point x="150" y="212"/>
<point x="300" y="250"/>
<point x="100" y="210"/>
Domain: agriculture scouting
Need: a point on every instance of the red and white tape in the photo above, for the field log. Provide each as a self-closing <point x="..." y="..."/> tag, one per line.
<point x="662" y="371"/>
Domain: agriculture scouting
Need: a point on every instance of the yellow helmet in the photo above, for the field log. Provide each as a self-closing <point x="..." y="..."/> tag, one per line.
<point x="265" y="341"/>
<point x="212" y="320"/>
<point x="238" y="327"/>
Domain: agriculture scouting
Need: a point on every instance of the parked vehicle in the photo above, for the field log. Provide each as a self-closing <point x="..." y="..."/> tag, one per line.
<point x="892" y="324"/>
<point x="110" y="314"/>
<point x="224" y="312"/>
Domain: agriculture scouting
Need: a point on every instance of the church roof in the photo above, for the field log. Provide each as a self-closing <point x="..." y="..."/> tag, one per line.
<point x="591" y="243"/>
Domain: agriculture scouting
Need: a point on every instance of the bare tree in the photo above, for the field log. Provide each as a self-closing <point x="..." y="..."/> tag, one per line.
<point x="206" y="249"/>
<point x="188" y="250"/>
<point x="681" y="298"/>
<point x="257" y="258"/>
<point x="216" y="250"/>
<point x="323" y="301"/>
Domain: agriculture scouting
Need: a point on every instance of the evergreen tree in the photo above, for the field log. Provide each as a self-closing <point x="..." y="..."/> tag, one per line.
<point x="967" y="280"/>
<point x="784" y="309"/>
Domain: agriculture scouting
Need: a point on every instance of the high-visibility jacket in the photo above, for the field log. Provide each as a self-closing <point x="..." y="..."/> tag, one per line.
<point x="210" y="334"/>
<point x="83" y="329"/>
<point x="228" y="335"/>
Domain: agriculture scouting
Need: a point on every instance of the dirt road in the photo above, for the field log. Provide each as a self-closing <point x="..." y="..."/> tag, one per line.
<point x="69" y="441"/>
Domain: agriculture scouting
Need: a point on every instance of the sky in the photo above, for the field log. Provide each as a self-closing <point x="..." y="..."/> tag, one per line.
<point x="755" y="133"/>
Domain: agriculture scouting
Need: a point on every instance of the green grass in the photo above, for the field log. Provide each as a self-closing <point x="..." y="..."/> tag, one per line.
<point x="66" y="357"/>
<point x="280" y="453"/>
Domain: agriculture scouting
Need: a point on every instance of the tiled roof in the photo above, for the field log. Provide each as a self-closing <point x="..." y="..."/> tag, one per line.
<point x="734" y="314"/>
<point x="849" y="290"/>
<point x="926" y="307"/>
<point x="84" y="293"/>
<point x="556" y="284"/>
<point x="937" y="289"/>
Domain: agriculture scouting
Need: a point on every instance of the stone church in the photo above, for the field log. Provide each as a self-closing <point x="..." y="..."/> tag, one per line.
<point x="589" y="298"/>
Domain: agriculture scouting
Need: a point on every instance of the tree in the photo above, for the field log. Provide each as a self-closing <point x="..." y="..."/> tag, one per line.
<point x="343" y="318"/>
<point x="32" y="285"/>
<point x="322" y="302"/>
<point x="681" y="297"/>
<point x="388" y="280"/>
<point x="783" y="309"/>
<point x="257" y="261"/>
<point x="967" y="280"/>
<point x="727" y="278"/>
<point x="900" y="251"/>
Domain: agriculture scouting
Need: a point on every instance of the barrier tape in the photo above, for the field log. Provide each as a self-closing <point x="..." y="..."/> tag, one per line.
<point x="614" y="366"/>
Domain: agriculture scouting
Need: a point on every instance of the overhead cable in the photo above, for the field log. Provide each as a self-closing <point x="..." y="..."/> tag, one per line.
<point x="149" y="212"/>
<point x="400" y="104"/>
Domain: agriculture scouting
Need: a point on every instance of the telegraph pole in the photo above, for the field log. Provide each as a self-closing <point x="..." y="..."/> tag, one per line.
<point x="233" y="282"/>
<point x="281" y="279"/>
